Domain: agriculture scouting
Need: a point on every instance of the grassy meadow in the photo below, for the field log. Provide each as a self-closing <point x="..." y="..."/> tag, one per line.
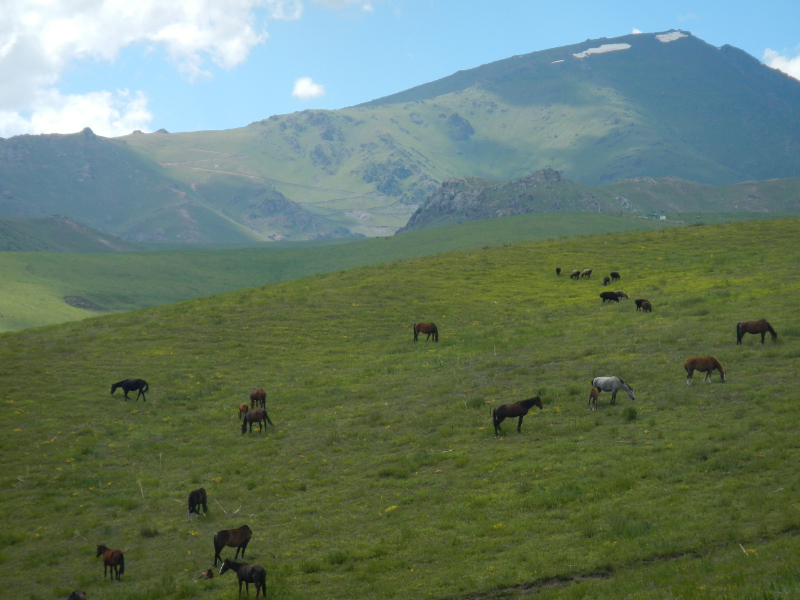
<point x="36" y="284"/>
<point x="383" y="478"/>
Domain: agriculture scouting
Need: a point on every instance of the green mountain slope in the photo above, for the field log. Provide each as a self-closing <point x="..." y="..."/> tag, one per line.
<point x="57" y="234"/>
<point x="383" y="478"/>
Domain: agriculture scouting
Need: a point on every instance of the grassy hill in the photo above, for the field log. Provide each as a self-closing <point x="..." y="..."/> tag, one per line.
<point x="383" y="478"/>
<point x="46" y="288"/>
<point x="57" y="234"/>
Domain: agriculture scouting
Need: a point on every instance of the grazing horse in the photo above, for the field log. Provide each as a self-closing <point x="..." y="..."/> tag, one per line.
<point x="639" y="302"/>
<point x="622" y="294"/>
<point x="646" y="306"/>
<point x="558" y="270"/>
<point x="243" y="408"/>
<point x="761" y="327"/>
<point x="517" y="409"/>
<point x="258" y="396"/>
<point x="132" y="385"/>
<point x="587" y="273"/>
<point x="235" y="538"/>
<point x="575" y="274"/>
<point x="113" y="559"/>
<point x="606" y="280"/>
<point x="614" y="275"/>
<point x="77" y="595"/>
<point x="610" y="296"/>
<point x="248" y="574"/>
<point x="706" y="364"/>
<point x="255" y="415"/>
<point x="196" y="499"/>
<point x="429" y="328"/>
<point x="612" y="384"/>
<point x="593" y="393"/>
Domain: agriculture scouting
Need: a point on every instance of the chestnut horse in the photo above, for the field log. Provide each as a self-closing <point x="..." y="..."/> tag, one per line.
<point x="248" y="574"/>
<point x="517" y="409"/>
<point x="235" y="538"/>
<point x="258" y="396"/>
<point x="113" y="559"/>
<point x="243" y="408"/>
<point x="756" y="327"/>
<point x="706" y="364"/>
<point x="593" y="393"/>
<point x="429" y="328"/>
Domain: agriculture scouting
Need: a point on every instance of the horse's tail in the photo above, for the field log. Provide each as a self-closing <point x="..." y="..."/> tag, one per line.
<point x="435" y="333"/>
<point x="737" y="332"/>
<point x="121" y="564"/>
<point x="146" y="387"/>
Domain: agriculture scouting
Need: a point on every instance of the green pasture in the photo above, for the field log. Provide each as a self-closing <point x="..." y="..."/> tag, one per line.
<point x="35" y="284"/>
<point x="383" y="478"/>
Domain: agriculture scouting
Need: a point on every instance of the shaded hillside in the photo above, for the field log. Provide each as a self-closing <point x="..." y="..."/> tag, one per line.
<point x="56" y="234"/>
<point x="473" y="199"/>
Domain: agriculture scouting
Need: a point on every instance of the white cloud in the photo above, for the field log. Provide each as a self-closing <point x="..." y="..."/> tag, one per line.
<point x="789" y="65"/>
<point x="306" y="89"/>
<point x="635" y="31"/>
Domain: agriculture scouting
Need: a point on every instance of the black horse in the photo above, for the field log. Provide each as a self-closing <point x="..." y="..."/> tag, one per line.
<point x="132" y="385"/>
<point x="248" y="574"/>
<point x="196" y="498"/>
<point x="235" y="538"/>
<point x="77" y="595"/>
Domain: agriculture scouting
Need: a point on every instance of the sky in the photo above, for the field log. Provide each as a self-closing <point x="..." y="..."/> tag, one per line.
<point x="189" y="65"/>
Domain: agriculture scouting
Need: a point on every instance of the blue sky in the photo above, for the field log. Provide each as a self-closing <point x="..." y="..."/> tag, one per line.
<point x="218" y="64"/>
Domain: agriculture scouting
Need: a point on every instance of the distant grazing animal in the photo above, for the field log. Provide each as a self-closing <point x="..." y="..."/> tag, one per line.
<point x="113" y="559"/>
<point x="587" y="273"/>
<point x="429" y="328"/>
<point x="558" y="270"/>
<point x="622" y="294"/>
<point x="639" y="302"/>
<point x="614" y="275"/>
<point x="255" y="415"/>
<point x="606" y="280"/>
<point x="593" y="393"/>
<point x="243" y="408"/>
<point x="235" y="538"/>
<point x="77" y="595"/>
<point x="612" y="384"/>
<point x="705" y="365"/>
<point x="761" y="327"/>
<point x="258" y="396"/>
<point x="610" y="296"/>
<point x="646" y="306"/>
<point x="197" y="499"/>
<point x="509" y="411"/>
<point x="207" y="574"/>
<point x="575" y="274"/>
<point x="248" y="574"/>
<point x="132" y="385"/>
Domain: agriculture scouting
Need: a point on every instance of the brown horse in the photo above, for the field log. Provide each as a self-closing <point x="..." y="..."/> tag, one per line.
<point x="646" y="306"/>
<point x="197" y="498"/>
<point x="207" y="574"/>
<point x="593" y="393"/>
<point x="587" y="273"/>
<point x="77" y="595"/>
<point x="429" y="328"/>
<point x="247" y="574"/>
<point x="575" y="274"/>
<point x="706" y="364"/>
<point x="255" y="415"/>
<point x="235" y="538"/>
<point x="606" y="280"/>
<point x="756" y="327"/>
<point x="113" y="559"/>
<point x="258" y="396"/>
<point x="509" y="411"/>
<point x="243" y="408"/>
<point x="622" y="294"/>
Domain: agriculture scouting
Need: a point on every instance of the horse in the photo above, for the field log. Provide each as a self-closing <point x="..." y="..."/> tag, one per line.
<point x="614" y="276"/>
<point x="622" y="294"/>
<point x="258" y="396"/>
<point x="77" y="595"/>
<point x="575" y="274"/>
<point x="612" y="384"/>
<point x="113" y="559"/>
<point x="517" y="409"/>
<point x="248" y="574"/>
<point x="587" y="273"/>
<point x="235" y="538"/>
<point x="706" y="365"/>
<point x="243" y="408"/>
<point x="207" y="574"/>
<point x="197" y="498"/>
<point x="646" y="306"/>
<point x="761" y="327"/>
<point x="639" y="302"/>
<point x="606" y="280"/>
<point x="255" y="415"/>
<point x="132" y="385"/>
<point x="610" y="296"/>
<point x="558" y="270"/>
<point x="593" y="393"/>
<point x="429" y="328"/>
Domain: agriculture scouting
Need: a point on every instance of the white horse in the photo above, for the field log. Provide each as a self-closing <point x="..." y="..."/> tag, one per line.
<point x="613" y="385"/>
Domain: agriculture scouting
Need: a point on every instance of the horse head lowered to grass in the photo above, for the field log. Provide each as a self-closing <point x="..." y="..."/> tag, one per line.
<point x="612" y="384"/>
